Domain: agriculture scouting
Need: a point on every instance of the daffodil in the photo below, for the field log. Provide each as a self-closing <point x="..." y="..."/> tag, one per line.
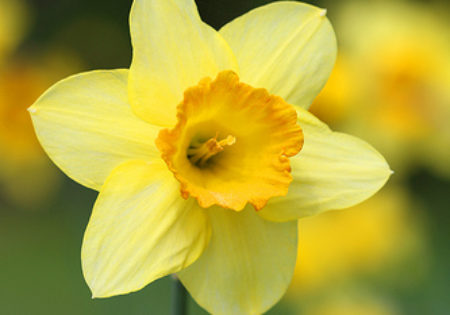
<point x="22" y="160"/>
<point x="337" y="97"/>
<point x="204" y="153"/>
<point x="346" y="300"/>
<point x="22" y="80"/>
<point x="388" y="234"/>
<point x="395" y="73"/>
<point x="13" y="20"/>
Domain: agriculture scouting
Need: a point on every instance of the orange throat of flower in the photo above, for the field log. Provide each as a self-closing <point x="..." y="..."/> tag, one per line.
<point x="231" y="144"/>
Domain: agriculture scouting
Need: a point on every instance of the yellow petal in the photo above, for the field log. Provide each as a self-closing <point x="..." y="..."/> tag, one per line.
<point x="87" y="127"/>
<point x="289" y="48"/>
<point x="172" y="50"/>
<point x="247" y="266"/>
<point x="140" y="230"/>
<point x="333" y="171"/>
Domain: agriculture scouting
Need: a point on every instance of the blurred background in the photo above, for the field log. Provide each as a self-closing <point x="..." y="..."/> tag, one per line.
<point x="390" y="86"/>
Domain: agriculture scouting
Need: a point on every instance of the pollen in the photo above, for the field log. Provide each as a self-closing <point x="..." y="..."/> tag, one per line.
<point x="231" y="144"/>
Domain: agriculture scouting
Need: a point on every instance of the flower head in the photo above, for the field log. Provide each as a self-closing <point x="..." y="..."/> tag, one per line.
<point x="202" y="126"/>
<point x="391" y="83"/>
<point x="13" y="17"/>
<point x="22" y="80"/>
<point x="365" y="239"/>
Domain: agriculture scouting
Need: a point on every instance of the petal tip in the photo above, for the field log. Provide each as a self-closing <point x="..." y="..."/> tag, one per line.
<point x="94" y="295"/>
<point x="98" y="294"/>
<point x="32" y="109"/>
<point x="323" y="12"/>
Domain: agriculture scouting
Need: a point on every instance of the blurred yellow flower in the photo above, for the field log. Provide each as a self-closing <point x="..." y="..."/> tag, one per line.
<point x="22" y="80"/>
<point x="401" y="101"/>
<point x="20" y="84"/>
<point x="352" y="302"/>
<point x="368" y="238"/>
<point x="22" y="160"/>
<point x="231" y="142"/>
<point x="13" y="23"/>
<point x="334" y="102"/>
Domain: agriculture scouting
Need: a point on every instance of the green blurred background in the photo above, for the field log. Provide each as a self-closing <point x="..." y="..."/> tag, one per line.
<point x="389" y="255"/>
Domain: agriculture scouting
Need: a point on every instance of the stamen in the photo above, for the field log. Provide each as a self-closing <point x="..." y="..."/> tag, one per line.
<point x="201" y="153"/>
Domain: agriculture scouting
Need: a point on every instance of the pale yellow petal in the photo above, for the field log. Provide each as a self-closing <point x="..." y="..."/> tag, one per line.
<point x="140" y="230"/>
<point x="289" y="48"/>
<point x="172" y="50"/>
<point x="87" y="127"/>
<point x="333" y="171"/>
<point x="247" y="266"/>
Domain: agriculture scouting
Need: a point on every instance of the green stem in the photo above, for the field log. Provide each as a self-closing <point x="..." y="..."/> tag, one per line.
<point x="179" y="297"/>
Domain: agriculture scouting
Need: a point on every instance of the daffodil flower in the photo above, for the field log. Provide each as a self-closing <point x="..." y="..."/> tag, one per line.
<point x="391" y="83"/>
<point x="13" y="26"/>
<point x="204" y="153"/>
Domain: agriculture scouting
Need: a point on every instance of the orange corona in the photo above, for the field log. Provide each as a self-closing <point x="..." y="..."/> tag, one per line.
<point x="259" y="133"/>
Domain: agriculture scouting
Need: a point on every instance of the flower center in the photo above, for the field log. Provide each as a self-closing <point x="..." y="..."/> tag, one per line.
<point x="199" y="153"/>
<point x="231" y="144"/>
